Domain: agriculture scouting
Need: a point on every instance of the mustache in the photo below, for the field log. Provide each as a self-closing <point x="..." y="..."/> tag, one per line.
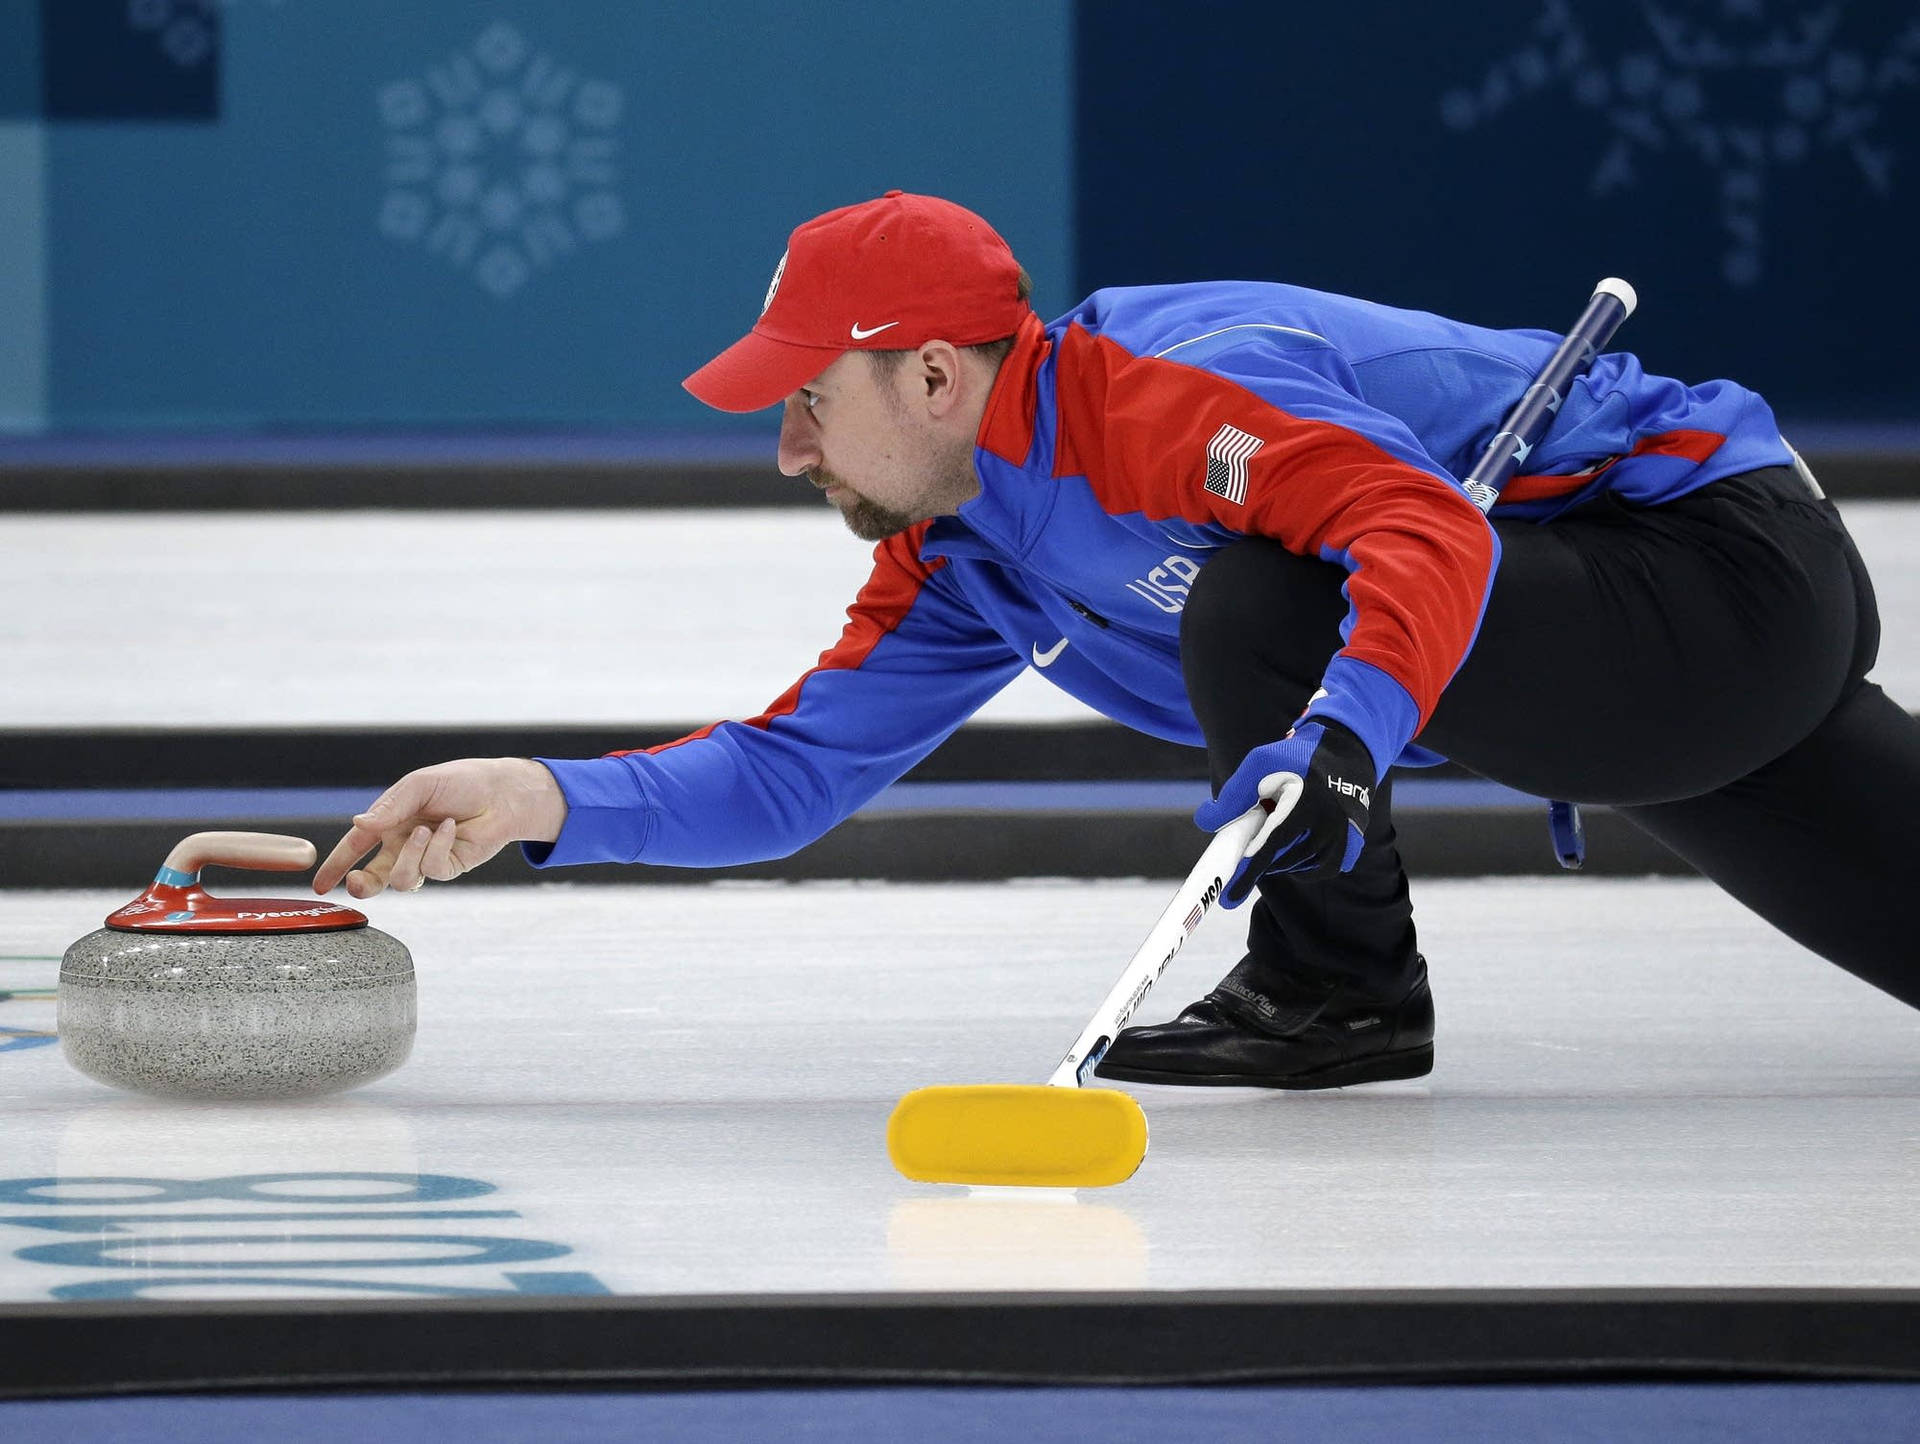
<point x="822" y="478"/>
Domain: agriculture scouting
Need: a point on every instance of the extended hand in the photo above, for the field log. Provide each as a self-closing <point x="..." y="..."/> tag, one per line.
<point x="442" y="821"/>
<point x="1326" y="827"/>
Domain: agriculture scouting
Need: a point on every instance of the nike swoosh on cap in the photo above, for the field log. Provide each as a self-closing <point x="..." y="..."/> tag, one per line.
<point x="860" y="335"/>
<point x="1045" y="659"/>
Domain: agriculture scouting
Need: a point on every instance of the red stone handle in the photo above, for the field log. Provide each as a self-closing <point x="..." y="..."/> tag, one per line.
<point x="267" y="851"/>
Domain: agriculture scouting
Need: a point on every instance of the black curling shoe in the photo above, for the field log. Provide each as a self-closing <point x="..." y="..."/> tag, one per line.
<point x="1280" y="1032"/>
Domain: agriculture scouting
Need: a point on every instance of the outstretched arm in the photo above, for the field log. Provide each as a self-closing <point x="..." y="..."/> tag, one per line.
<point x="442" y="821"/>
<point x="913" y="662"/>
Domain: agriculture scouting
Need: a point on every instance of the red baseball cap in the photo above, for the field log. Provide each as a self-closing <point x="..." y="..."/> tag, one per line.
<point x="885" y="275"/>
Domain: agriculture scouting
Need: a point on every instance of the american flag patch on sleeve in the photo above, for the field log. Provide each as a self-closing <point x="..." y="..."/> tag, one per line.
<point x="1227" y="457"/>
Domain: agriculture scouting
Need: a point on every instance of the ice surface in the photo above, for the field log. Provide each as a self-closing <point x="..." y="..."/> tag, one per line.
<point x="685" y="1089"/>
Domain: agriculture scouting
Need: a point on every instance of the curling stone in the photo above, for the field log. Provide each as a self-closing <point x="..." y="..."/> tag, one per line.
<point x="187" y="995"/>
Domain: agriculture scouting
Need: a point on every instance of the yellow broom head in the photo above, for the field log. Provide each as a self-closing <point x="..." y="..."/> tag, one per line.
<point x="1033" y="1135"/>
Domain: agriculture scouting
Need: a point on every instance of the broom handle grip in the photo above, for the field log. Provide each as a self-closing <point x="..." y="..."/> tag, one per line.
<point x="1526" y="423"/>
<point x="1196" y="895"/>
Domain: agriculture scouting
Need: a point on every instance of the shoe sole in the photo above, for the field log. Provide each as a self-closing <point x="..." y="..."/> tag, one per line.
<point x="1380" y="1068"/>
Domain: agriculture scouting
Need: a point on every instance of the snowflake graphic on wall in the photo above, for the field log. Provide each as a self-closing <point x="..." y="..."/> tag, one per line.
<point x="501" y="161"/>
<point x="1742" y="92"/>
<point x="184" y="28"/>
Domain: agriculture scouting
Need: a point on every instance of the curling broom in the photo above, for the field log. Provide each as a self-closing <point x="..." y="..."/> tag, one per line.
<point x="1062" y="1134"/>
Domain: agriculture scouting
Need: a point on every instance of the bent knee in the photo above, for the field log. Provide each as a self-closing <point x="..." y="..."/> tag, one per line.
<point x="1256" y="597"/>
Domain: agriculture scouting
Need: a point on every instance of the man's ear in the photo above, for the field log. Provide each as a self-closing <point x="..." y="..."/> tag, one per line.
<point x="941" y="379"/>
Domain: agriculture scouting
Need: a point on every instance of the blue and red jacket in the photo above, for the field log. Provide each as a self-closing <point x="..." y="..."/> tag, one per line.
<point x="1122" y="444"/>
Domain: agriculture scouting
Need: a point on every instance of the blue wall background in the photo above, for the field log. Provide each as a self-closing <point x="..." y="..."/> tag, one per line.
<point x="1752" y="166"/>
<point x="343" y="239"/>
<point x="335" y="215"/>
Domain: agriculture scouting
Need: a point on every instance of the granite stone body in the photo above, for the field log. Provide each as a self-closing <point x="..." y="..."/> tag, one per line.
<point x="237" y="1016"/>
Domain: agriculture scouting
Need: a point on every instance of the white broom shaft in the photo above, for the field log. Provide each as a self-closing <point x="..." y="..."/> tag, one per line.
<point x="1612" y="302"/>
<point x="1201" y="889"/>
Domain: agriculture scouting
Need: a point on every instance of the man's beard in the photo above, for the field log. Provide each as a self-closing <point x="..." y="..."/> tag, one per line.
<point x="866" y="519"/>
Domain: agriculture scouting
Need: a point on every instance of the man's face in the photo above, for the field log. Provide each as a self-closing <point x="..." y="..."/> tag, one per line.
<point x="857" y="434"/>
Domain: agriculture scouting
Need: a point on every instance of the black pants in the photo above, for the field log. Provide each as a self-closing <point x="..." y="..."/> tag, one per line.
<point x="1698" y="665"/>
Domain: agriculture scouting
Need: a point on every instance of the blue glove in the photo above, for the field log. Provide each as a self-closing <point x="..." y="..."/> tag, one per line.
<point x="1325" y="827"/>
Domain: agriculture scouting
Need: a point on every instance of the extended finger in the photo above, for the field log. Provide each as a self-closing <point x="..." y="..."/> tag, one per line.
<point x="439" y="863"/>
<point x="371" y="879"/>
<point x="358" y="842"/>
<point x="368" y="881"/>
<point x="387" y="813"/>
<point x="406" y="874"/>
